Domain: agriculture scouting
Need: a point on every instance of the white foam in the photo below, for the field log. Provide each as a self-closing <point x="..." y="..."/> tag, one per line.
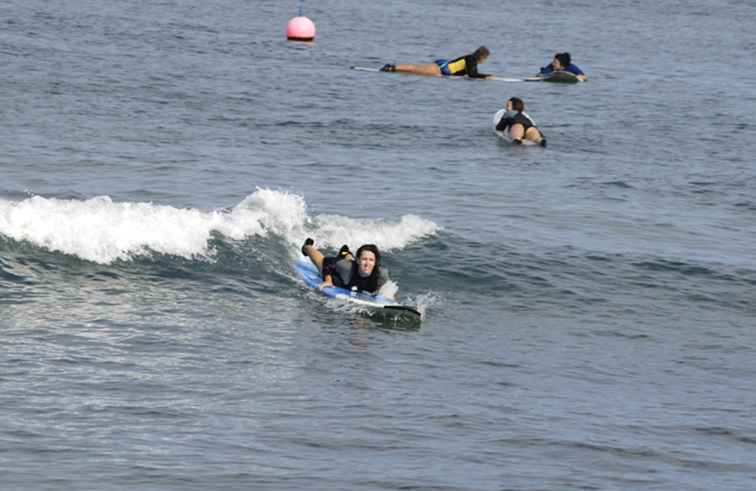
<point x="278" y="211"/>
<point x="389" y="289"/>
<point x="104" y="231"/>
<point x="335" y="230"/>
<point x="286" y="215"/>
<point x="426" y="300"/>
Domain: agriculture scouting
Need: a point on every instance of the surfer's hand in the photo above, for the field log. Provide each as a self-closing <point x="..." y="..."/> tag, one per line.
<point x="325" y="284"/>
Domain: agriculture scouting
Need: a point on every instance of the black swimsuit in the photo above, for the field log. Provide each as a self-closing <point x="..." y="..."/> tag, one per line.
<point x="337" y="269"/>
<point x="346" y="275"/>
<point x="508" y="120"/>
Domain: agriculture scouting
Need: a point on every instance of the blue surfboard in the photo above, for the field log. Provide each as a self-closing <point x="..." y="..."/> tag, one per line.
<point x="311" y="276"/>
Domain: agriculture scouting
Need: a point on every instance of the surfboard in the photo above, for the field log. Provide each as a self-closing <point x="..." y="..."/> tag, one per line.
<point x="365" y="69"/>
<point x="504" y="135"/>
<point x="561" y="77"/>
<point x="497" y="78"/>
<point x="309" y="273"/>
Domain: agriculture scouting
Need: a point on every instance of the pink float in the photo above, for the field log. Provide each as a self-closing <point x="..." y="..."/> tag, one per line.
<point x="300" y="29"/>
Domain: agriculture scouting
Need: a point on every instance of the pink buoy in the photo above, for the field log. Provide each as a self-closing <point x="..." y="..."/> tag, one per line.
<point x="300" y="29"/>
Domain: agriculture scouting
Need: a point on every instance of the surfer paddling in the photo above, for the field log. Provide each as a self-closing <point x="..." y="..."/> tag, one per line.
<point x="562" y="62"/>
<point x="518" y="125"/>
<point x="464" y="65"/>
<point x="364" y="273"/>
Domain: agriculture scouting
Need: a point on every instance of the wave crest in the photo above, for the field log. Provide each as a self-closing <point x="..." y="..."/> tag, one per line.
<point x="104" y="231"/>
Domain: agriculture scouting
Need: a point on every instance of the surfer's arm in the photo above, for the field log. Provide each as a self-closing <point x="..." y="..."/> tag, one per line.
<point x="545" y="70"/>
<point x="480" y="75"/>
<point x="383" y="276"/>
<point x="578" y="72"/>
<point x="472" y="68"/>
<point x="504" y="123"/>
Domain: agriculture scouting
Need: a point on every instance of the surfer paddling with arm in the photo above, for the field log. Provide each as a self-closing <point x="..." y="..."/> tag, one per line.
<point x="464" y="65"/>
<point x="518" y="124"/>
<point x="562" y="62"/>
<point x="364" y="273"/>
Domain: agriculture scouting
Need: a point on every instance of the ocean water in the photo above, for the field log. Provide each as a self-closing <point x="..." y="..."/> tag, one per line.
<point x="589" y="308"/>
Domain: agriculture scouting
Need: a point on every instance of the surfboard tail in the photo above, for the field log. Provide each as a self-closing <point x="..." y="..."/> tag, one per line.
<point x="404" y="308"/>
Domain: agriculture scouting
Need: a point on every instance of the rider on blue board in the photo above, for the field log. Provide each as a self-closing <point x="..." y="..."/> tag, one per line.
<point x="518" y="125"/>
<point x="563" y="62"/>
<point x="464" y="65"/>
<point x="344" y="271"/>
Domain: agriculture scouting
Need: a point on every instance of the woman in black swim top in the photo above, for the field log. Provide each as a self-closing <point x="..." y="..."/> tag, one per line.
<point x="518" y="124"/>
<point x="344" y="271"/>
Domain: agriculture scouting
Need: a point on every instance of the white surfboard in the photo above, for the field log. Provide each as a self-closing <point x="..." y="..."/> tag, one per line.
<point x="493" y="77"/>
<point x="365" y="69"/>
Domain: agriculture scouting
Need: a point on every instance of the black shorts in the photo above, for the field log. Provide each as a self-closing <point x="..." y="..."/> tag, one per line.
<point x="524" y="121"/>
<point x="330" y="267"/>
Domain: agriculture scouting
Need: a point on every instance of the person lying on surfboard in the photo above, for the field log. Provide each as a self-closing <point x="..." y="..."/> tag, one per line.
<point x="464" y="65"/>
<point x="344" y="271"/>
<point x="518" y="124"/>
<point x="563" y="62"/>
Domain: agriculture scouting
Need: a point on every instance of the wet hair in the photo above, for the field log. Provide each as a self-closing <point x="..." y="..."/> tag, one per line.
<point x="372" y="248"/>
<point x="564" y="59"/>
<point x="481" y="53"/>
<point x="517" y="104"/>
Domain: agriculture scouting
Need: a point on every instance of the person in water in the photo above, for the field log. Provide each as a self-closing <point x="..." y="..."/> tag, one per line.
<point x="464" y="65"/>
<point x="344" y="271"/>
<point x="563" y="62"/>
<point x="518" y="124"/>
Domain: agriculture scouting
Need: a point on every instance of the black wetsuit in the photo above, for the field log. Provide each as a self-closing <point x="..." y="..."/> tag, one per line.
<point x="337" y="269"/>
<point x="344" y="274"/>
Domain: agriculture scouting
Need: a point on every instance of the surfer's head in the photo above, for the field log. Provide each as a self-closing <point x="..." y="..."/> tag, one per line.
<point x="368" y="258"/>
<point x="515" y="104"/>
<point x="562" y="61"/>
<point x="481" y="54"/>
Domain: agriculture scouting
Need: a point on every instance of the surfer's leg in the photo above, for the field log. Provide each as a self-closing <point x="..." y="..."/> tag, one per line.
<point x="418" y="69"/>
<point x="315" y="256"/>
<point x="517" y="131"/>
<point x="534" y="134"/>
